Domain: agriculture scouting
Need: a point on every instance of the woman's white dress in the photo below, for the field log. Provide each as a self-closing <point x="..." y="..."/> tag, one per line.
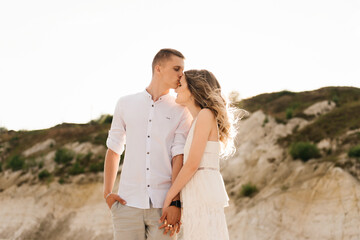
<point x="204" y="196"/>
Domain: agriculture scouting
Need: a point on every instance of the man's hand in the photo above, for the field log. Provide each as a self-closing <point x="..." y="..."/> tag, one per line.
<point x="171" y="217"/>
<point x="112" y="198"/>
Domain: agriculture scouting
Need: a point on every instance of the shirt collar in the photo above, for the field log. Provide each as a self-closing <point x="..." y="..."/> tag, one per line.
<point x="163" y="97"/>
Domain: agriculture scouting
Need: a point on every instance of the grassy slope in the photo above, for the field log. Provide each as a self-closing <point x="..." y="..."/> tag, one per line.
<point x="346" y="116"/>
<point x="276" y="104"/>
<point x="14" y="143"/>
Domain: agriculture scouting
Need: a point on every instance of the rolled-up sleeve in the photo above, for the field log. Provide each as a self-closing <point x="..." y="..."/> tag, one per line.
<point x="117" y="133"/>
<point x="181" y="132"/>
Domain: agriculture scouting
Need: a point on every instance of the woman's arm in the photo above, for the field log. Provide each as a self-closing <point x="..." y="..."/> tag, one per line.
<point x="204" y="123"/>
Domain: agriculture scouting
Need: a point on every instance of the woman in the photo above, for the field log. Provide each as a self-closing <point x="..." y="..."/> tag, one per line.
<point x="203" y="193"/>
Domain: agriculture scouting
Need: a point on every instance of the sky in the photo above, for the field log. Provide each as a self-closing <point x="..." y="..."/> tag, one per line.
<point x="71" y="60"/>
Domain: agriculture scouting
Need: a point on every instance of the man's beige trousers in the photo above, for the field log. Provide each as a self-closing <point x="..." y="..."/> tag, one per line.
<point x="137" y="224"/>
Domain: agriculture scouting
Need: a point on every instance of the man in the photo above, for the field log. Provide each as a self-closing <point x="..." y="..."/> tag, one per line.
<point x="155" y="129"/>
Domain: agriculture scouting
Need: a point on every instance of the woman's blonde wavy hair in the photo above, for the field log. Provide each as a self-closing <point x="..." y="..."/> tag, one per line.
<point x="206" y="91"/>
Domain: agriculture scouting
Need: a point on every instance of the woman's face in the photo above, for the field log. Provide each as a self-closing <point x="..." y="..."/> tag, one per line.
<point x="183" y="92"/>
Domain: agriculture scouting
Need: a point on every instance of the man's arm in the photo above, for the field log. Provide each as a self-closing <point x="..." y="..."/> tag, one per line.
<point x="111" y="166"/>
<point x="115" y="143"/>
<point x="177" y="163"/>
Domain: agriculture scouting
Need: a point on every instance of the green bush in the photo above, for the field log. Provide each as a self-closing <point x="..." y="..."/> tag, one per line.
<point x="335" y="99"/>
<point x="84" y="159"/>
<point x="100" y="139"/>
<point x="64" y="155"/>
<point x="16" y="162"/>
<point x="40" y="165"/>
<point x="61" y="180"/>
<point x="108" y="119"/>
<point x="76" y="169"/>
<point x="248" y="190"/>
<point x="266" y="120"/>
<point x="97" y="167"/>
<point x="14" y="140"/>
<point x="304" y="151"/>
<point x="289" y="113"/>
<point x="354" y="152"/>
<point x="44" y="174"/>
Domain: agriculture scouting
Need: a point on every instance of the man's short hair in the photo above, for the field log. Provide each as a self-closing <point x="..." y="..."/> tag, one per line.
<point x="165" y="54"/>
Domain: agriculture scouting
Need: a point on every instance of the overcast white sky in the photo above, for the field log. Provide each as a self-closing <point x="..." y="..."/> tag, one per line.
<point x="70" y="60"/>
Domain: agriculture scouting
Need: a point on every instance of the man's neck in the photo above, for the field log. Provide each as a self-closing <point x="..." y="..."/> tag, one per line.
<point x="156" y="90"/>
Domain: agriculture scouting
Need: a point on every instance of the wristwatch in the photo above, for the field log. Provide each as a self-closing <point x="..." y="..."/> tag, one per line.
<point x="176" y="203"/>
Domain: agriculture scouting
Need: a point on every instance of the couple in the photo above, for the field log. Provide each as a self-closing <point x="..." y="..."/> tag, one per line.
<point x="172" y="153"/>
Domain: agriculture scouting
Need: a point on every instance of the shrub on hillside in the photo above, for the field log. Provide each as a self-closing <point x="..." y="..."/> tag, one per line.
<point x="40" y="164"/>
<point x="61" y="180"/>
<point x="354" y="152"/>
<point x="248" y="190"/>
<point x="76" y="169"/>
<point x="84" y="159"/>
<point x="108" y="119"/>
<point x="304" y="151"/>
<point x="14" y="140"/>
<point x="289" y="113"/>
<point x="100" y="139"/>
<point x="16" y="162"/>
<point x="44" y="174"/>
<point x="97" y="167"/>
<point x="335" y="99"/>
<point x="266" y="120"/>
<point x="64" y="155"/>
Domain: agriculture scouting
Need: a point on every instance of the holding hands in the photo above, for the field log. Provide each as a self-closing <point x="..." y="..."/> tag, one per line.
<point x="171" y="216"/>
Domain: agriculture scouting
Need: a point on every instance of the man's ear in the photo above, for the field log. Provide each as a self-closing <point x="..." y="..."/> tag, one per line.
<point x="158" y="68"/>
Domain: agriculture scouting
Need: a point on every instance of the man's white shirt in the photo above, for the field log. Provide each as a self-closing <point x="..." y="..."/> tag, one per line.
<point x="154" y="132"/>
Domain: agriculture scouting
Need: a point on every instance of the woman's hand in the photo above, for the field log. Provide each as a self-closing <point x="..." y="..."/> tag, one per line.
<point x="166" y="202"/>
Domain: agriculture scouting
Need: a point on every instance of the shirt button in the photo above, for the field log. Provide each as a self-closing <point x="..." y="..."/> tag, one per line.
<point x="148" y="185"/>
<point x="147" y="169"/>
<point x="148" y="136"/>
<point x="149" y="120"/>
<point x="147" y="153"/>
<point x="152" y="105"/>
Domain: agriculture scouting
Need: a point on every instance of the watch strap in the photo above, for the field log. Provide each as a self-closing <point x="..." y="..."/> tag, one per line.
<point x="176" y="203"/>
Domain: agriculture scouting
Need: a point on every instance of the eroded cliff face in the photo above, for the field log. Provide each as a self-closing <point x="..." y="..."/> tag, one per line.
<point x="295" y="199"/>
<point x="34" y="209"/>
<point x="55" y="211"/>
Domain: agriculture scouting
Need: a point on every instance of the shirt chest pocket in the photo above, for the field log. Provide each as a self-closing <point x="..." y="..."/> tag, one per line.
<point x="164" y="125"/>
